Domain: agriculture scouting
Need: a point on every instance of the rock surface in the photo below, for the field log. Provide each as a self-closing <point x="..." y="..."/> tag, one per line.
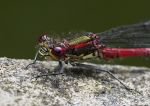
<point x="21" y="87"/>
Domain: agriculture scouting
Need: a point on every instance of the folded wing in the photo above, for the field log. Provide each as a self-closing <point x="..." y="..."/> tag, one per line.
<point x="129" y="36"/>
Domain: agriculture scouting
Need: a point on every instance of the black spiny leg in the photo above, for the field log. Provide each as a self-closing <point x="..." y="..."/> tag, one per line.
<point x="35" y="59"/>
<point x="59" y="69"/>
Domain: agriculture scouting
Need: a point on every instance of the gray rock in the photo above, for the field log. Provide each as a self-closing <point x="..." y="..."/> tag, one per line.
<point x="76" y="87"/>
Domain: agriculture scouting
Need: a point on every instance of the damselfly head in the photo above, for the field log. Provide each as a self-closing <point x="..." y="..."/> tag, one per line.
<point x="43" y="38"/>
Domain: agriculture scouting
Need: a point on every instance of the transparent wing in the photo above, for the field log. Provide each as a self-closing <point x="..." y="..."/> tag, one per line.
<point x="136" y="35"/>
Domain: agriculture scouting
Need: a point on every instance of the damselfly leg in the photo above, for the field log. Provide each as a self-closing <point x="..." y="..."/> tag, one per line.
<point x="97" y="69"/>
<point x="35" y="59"/>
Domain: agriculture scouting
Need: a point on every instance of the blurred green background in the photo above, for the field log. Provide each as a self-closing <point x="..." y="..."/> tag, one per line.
<point x="22" y="21"/>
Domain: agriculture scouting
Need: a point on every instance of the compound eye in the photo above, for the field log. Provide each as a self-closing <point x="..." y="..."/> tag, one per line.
<point x="58" y="50"/>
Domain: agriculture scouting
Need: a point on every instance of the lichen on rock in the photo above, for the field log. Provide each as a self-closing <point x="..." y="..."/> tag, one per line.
<point x="77" y="87"/>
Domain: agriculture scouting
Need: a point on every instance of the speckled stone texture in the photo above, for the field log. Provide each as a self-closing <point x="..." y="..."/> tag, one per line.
<point x="76" y="87"/>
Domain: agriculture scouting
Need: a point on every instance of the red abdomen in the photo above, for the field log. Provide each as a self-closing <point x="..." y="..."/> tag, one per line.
<point x="125" y="52"/>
